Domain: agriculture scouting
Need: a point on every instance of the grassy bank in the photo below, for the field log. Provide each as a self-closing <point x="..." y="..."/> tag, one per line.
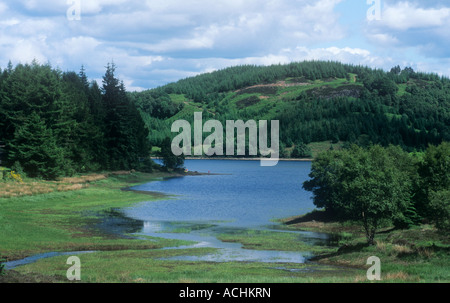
<point x="62" y="220"/>
<point x="419" y="254"/>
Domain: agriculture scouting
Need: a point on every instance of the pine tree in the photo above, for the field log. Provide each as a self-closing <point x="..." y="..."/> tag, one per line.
<point x="35" y="147"/>
<point x="125" y="132"/>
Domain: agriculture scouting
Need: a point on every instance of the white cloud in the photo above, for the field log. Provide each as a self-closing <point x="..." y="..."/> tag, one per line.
<point x="179" y="25"/>
<point x="419" y="28"/>
<point x="25" y="51"/>
<point x="154" y="42"/>
<point x="300" y="53"/>
<point x="384" y="39"/>
<point x="405" y="15"/>
<point x="3" y="7"/>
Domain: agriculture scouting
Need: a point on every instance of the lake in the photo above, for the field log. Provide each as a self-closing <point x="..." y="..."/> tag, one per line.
<point x="237" y="195"/>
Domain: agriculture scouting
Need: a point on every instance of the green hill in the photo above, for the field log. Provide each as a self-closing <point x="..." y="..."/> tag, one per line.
<point x="319" y="104"/>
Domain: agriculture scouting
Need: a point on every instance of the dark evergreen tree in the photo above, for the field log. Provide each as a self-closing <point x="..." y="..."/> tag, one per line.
<point x="125" y="133"/>
<point x="35" y="147"/>
<point x="170" y="161"/>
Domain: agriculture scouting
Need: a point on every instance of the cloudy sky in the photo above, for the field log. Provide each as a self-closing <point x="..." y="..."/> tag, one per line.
<point x="154" y="42"/>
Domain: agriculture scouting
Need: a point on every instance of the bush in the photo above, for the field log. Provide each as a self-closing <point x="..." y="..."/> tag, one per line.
<point x="15" y="177"/>
<point x="301" y="151"/>
<point x="440" y="209"/>
<point x="146" y="165"/>
<point x="3" y="172"/>
<point x="17" y="167"/>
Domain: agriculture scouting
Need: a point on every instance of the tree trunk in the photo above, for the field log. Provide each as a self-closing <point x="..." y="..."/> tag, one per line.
<point x="371" y="238"/>
<point x="370" y="230"/>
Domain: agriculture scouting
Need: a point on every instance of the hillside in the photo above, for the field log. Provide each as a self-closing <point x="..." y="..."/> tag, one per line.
<point x="318" y="104"/>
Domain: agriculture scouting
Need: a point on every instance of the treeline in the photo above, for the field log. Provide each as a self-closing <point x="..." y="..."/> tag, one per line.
<point x="58" y="123"/>
<point x="206" y="88"/>
<point x="383" y="186"/>
<point x="400" y="107"/>
<point x="414" y="122"/>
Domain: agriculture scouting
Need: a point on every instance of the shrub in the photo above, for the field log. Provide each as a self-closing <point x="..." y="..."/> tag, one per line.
<point x="15" y="176"/>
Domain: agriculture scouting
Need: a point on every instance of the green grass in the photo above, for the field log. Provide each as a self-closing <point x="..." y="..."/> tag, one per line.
<point x="146" y="266"/>
<point x="401" y="89"/>
<point x="57" y="222"/>
<point x="420" y="254"/>
<point x="179" y="99"/>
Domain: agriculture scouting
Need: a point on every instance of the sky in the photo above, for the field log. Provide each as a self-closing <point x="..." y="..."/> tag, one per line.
<point x="155" y="42"/>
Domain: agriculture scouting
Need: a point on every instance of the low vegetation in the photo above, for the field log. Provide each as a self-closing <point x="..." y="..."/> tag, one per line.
<point x="59" y="220"/>
<point x="418" y="254"/>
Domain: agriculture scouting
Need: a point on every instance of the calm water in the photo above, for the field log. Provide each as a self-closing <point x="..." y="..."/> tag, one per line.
<point x="244" y="196"/>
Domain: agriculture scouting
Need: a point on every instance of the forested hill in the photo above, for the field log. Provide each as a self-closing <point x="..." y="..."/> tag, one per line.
<point x="55" y="123"/>
<point x="314" y="102"/>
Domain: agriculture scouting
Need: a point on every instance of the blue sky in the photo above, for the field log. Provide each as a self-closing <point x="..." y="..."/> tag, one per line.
<point x="154" y="42"/>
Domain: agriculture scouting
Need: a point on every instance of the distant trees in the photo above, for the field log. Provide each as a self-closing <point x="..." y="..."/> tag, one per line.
<point x="375" y="185"/>
<point x="156" y="107"/>
<point x="57" y="123"/>
<point x="202" y="88"/>
<point x="301" y="151"/>
<point x="362" y="105"/>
